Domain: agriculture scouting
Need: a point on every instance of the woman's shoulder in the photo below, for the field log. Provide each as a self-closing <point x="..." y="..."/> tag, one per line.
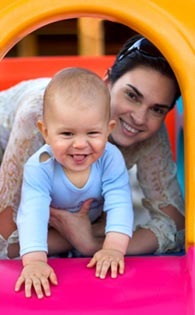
<point x="24" y="87"/>
<point x="157" y="144"/>
<point x="22" y="95"/>
<point x="159" y="138"/>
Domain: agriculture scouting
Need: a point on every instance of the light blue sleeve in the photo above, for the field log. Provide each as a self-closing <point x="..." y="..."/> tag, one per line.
<point x="117" y="193"/>
<point x="33" y="212"/>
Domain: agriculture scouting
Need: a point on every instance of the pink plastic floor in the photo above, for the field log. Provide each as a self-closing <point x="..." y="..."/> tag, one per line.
<point x="151" y="285"/>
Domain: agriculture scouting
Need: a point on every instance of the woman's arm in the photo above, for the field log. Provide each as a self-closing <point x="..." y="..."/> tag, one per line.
<point x="22" y="105"/>
<point x="157" y="176"/>
<point x="24" y="139"/>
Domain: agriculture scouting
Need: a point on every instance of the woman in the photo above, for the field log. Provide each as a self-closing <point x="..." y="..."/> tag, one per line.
<point x="143" y="89"/>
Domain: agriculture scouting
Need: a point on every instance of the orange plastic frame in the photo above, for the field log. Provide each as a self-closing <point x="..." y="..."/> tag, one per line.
<point x="167" y="24"/>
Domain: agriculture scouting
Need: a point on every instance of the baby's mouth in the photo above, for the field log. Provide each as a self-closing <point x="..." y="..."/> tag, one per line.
<point x="79" y="157"/>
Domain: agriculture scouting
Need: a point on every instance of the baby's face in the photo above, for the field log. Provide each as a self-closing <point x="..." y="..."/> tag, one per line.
<point x="78" y="133"/>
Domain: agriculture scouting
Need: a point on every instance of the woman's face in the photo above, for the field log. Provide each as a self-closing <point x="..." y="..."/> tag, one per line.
<point x="140" y="101"/>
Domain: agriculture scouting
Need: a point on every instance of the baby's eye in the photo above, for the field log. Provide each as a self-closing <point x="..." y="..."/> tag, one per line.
<point x="67" y="134"/>
<point x="93" y="133"/>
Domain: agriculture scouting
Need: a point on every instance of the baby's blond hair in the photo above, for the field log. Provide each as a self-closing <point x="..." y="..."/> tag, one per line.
<point x="73" y="83"/>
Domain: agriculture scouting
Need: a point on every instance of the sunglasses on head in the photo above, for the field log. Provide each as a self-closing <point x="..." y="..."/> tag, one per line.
<point x="144" y="47"/>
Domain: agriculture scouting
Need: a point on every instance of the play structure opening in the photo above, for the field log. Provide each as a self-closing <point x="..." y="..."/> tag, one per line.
<point x="171" y="28"/>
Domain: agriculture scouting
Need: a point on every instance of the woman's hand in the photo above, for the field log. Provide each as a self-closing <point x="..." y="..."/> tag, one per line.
<point x="106" y="259"/>
<point x="76" y="228"/>
<point x="63" y="220"/>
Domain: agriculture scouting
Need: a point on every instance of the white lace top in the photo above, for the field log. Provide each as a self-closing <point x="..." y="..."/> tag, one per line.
<point x="21" y="106"/>
<point x="156" y="171"/>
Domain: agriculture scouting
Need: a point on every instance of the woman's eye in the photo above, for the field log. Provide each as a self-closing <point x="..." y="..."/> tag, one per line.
<point x="132" y="96"/>
<point x="159" y="111"/>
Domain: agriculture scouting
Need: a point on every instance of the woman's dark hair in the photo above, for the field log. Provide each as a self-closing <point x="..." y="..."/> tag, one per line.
<point x="138" y="51"/>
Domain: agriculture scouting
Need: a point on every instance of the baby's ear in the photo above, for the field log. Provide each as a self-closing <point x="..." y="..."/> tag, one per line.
<point x="111" y="125"/>
<point x="43" y="130"/>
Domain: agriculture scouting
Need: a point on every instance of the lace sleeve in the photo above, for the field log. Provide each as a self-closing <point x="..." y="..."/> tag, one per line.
<point x="157" y="173"/>
<point x="23" y="141"/>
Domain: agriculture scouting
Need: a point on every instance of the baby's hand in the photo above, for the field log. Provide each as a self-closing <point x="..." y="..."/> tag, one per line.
<point x="37" y="275"/>
<point x="106" y="259"/>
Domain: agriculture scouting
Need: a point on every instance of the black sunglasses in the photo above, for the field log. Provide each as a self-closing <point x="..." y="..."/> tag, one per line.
<point x="144" y="47"/>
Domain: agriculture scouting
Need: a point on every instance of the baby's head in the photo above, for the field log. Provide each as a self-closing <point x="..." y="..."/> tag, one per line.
<point x="76" y="87"/>
<point x="76" y="114"/>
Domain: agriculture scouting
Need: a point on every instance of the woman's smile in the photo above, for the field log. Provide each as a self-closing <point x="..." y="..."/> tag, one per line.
<point x="128" y="127"/>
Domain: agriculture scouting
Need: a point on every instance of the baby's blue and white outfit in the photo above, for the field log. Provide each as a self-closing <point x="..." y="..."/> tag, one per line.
<point x="45" y="184"/>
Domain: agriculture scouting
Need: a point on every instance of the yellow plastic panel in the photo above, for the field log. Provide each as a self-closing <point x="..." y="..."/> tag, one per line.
<point x="168" y="24"/>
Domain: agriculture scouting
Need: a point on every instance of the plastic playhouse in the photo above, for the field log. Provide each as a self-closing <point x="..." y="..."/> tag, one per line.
<point x="151" y="284"/>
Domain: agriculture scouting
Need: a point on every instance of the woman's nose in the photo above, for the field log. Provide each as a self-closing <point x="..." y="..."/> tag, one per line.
<point x="139" y="116"/>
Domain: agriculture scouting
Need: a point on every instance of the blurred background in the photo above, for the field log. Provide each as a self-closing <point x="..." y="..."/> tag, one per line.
<point x="79" y="36"/>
